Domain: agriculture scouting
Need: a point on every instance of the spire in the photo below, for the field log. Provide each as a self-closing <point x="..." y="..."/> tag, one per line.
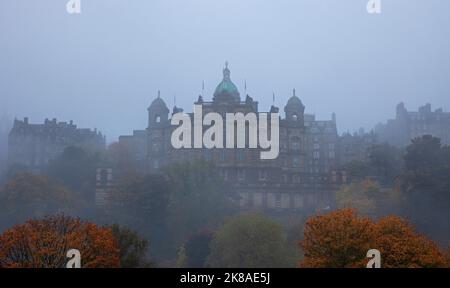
<point x="273" y="108"/>
<point x="226" y="72"/>
<point x="159" y="94"/>
<point x="203" y="87"/>
<point x="293" y="93"/>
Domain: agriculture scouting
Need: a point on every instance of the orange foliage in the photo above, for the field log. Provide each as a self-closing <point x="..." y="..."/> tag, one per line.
<point x="447" y="257"/>
<point x="401" y="246"/>
<point x="44" y="244"/>
<point x="338" y="239"/>
<point x="342" y="239"/>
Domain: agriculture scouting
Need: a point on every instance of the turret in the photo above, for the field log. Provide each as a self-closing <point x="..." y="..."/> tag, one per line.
<point x="158" y="113"/>
<point x="295" y="110"/>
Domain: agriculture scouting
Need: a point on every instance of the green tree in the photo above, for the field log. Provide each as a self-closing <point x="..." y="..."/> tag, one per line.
<point x="199" y="199"/>
<point x="386" y="161"/>
<point x="76" y="169"/>
<point x="140" y="202"/>
<point x="133" y="248"/>
<point x="197" y="249"/>
<point x="358" y="170"/>
<point x="425" y="184"/>
<point x="250" y="241"/>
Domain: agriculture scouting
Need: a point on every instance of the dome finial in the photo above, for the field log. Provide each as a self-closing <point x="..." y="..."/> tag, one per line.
<point x="226" y="72"/>
<point x="159" y="94"/>
<point x="293" y="93"/>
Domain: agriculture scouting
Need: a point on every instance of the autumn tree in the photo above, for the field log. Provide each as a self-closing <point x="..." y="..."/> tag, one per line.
<point x="336" y="240"/>
<point x="44" y="244"/>
<point x="250" y="241"/>
<point x="32" y="196"/>
<point x="341" y="239"/>
<point x="447" y="256"/>
<point x="401" y="247"/>
<point x="368" y="198"/>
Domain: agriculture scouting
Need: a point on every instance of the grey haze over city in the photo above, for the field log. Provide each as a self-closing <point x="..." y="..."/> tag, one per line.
<point x="103" y="67"/>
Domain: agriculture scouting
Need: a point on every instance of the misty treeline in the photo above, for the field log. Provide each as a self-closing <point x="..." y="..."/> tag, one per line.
<point x="413" y="182"/>
<point x="187" y="216"/>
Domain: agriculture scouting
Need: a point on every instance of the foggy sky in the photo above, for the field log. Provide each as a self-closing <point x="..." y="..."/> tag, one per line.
<point x="103" y="68"/>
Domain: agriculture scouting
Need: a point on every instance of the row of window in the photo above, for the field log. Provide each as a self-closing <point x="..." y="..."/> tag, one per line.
<point x="263" y="175"/>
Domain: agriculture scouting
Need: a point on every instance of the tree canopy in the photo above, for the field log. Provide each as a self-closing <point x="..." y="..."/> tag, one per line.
<point x="44" y="244"/>
<point x="341" y="239"/>
<point x="250" y="241"/>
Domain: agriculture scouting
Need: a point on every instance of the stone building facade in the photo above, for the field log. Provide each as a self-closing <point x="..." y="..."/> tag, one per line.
<point x="356" y="147"/>
<point x="302" y="177"/>
<point x="34" y="145"/>
<point x="5" y="126"/>
<point x="408" y="125"/>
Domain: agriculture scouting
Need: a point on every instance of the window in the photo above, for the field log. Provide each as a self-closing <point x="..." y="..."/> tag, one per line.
<point x="295" y="162"/>
<point x="224" y="174"/>
<point x="278" y="201"/>
<point x="223" y="156"/>
<point x="316" y="155"/>
<point x="158" y="119"/>
<point x="241" y="175"/>
<point x="262" y="175"/>
<point x="294" y="117"/>
<point x="207" y="155"/>
<point x="295" y="143"/>
<point x="240" y="156"/>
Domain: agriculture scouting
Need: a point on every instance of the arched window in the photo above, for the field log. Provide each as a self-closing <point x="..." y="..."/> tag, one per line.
<point x="158" y="119"/>
<point x="294" y="117"/>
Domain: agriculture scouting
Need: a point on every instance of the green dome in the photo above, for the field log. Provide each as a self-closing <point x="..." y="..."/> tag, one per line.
<point x="226" y="88"/>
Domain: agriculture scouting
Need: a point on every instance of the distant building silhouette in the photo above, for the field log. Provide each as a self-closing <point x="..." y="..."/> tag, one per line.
<point x="5" y="126"/>
<point x="408" y="125"/>
<point x="34" y="145"/>
<point x="355" y="147"/>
